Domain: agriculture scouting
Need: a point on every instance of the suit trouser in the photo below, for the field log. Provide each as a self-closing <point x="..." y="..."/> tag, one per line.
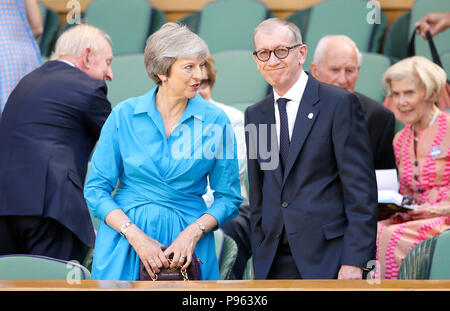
<point x="283" y="265"/>
<point x="37" y="235"/>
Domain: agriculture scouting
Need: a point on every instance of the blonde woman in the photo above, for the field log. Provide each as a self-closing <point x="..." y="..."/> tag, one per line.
<point x="422" y="151"/>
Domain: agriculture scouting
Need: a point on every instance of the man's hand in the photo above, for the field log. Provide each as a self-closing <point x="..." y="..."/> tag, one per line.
<point x="350" y="273"/>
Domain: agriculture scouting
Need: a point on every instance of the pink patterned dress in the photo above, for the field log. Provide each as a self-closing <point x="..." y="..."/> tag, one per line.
<point x="425" y="177"/>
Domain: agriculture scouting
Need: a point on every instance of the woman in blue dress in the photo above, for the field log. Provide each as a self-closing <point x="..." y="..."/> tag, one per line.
<point x="159" y="149"/>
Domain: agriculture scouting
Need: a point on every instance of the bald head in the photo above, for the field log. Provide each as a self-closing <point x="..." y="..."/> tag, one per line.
<point x="337" y="61"/>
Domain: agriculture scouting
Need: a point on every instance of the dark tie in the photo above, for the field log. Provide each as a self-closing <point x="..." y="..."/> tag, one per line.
<point x="284" y="132"/>
<point x="284" y="144"/>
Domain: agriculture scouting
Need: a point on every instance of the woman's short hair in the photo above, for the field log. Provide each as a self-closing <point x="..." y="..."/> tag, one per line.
<point x="211" y="70"/>
<point x="74" y="40"/>
<point x="268" y="24"/>
<point x="431" y="76"/>
<point x="171" y="42"/>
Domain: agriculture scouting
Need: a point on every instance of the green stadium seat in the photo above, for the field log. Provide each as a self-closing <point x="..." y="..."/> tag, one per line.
<point x="159" y="18"/>
<point x="348" y="17"/>
<point x="396" y="42"/>
<point x="441" y="40"/>
<point x="50" y="21"/>
<point x="34" y="267"/>
<point x="369" y="79"/>
<point x="226" y="252"/>
<point x="130" y="78"/>
<point x="398" y="125"/>
<point x="440" y="263"/>
<point x="238" y="80"/>
<point x="128" y="23"/>
<point x="191" y="21"/>
<point x="428" y="260"/>
<point x="249" y="273"/>
<point x="300" y="18"/>
<point x="229" y="24"/>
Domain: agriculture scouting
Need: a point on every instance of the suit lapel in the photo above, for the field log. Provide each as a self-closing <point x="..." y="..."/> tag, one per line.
<point x="268" y="118"/>
<point x="306" y="116"/>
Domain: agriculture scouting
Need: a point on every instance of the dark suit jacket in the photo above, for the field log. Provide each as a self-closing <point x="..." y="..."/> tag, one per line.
<point x="327" y="198"/>
<point x="48" y="129"/>
<point x="381" y="126"/>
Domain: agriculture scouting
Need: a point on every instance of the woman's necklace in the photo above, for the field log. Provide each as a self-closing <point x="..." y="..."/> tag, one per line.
<point x="433" y="119"/>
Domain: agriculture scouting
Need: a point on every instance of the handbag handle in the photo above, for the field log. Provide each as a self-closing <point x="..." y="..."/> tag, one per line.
<point x="434" y="53"/>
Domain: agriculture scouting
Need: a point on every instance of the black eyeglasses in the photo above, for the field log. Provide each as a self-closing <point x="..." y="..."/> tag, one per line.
<point x="280" y="52"/>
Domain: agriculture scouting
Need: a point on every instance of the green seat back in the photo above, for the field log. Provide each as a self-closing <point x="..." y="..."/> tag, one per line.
<point x="249" y="273"/>
<point x="130" y="78"/>
<point x="218" y="241"/>
<point x="229" y="24"/>
<point x="226" y="252"/>
<point x="228" y="257"/>
<point x="33" y="267"/>
<point x="441" y="40"/>
<point x="440" y="264"/>
<point x="50" y="21"/>
<point x="191" y="21"/>
<point x="126" y="22"/>
<point x="159" y="18"/>
<point x="398" y="125"/>
<point x="416" y="265"/>
<point x="300" y="18"/>
<point x="369" y="79"/>
<point x="241" y="106"/>
<point x="238" y="80"/>
<point x="347" y="17"/>
<point x="396" y="42"/>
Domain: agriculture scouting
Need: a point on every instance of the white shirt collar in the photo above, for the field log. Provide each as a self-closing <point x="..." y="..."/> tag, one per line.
<point x="295" y="93"/>
<point x="65" y="61"/>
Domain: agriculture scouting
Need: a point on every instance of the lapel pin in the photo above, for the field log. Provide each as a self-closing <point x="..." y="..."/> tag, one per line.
<point x="310" y="115"/>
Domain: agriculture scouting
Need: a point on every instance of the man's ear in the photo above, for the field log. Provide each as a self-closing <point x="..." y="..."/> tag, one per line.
<point x="303" y="51"/>
<point x="313" y="68"/>
<point x="85" y="57"/>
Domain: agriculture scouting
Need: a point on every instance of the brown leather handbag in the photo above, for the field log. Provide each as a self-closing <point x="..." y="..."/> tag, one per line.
<point x="175" y="274"/>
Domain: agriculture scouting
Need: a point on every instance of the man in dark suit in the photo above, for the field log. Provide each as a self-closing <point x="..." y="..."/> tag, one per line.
<point x="49" y="127"/>
<point x="313" y="194"/>
<point x="337" y="61"/>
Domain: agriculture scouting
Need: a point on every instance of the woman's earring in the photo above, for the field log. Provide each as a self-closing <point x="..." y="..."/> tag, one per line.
<point x="164" y="79"/>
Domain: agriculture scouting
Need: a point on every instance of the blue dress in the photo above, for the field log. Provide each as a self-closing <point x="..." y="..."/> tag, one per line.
<point x="19" y="52"/>
<point x="161" y="181"/>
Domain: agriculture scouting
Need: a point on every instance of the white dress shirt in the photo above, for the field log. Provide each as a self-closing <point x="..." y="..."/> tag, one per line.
<point x="294" y="94"/>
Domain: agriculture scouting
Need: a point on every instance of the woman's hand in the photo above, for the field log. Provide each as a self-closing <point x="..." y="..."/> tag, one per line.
<point x="183" y="247"/>
<point x="426" y="211"/>
<point x="148" y="250"/>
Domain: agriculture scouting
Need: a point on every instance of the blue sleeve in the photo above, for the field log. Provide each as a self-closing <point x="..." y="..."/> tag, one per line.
<point x="106" y="165"/>
<point x="224" y="178"/>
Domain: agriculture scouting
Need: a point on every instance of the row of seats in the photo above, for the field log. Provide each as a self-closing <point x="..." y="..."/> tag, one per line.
<point x="34" y="267"/>
<point x="129" y="24"/>
<point x="426" y="261"/>
<point x="231" y="44"/>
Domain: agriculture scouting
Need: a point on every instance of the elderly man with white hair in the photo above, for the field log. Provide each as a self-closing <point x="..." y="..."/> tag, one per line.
<point x="337" y="61"/>
<point x="50" y="125"/>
